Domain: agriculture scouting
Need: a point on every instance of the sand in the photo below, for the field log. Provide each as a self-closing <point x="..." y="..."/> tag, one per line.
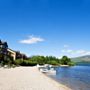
<point x="27" y="78"/>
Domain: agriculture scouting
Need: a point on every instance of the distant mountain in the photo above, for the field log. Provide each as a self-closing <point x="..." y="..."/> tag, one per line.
<point x="81" y="59"/>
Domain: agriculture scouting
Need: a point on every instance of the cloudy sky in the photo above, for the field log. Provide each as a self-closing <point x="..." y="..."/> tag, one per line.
<point x="46" y="27"/>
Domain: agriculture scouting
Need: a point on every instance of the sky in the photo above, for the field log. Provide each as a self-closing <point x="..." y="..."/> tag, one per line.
<point x="46" y="27"/>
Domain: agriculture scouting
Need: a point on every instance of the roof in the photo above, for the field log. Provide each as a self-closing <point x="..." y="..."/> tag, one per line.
<point x="10" y="50"/>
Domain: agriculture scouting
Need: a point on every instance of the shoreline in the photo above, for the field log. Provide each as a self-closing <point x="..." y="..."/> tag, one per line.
<point x="61" y="86"/>
<point x="27" y="78"/>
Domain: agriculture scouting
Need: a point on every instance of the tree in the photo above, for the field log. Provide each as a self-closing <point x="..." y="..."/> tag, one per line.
<point x="3" y="50"/>
<point x="65" y="60"/>
<point x="39" y="59"/>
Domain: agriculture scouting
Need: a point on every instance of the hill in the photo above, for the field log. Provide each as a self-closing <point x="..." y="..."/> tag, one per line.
<point x="85" y="58"/>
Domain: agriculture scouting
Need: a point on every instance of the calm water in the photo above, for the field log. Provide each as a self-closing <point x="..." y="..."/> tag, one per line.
<point x="77" y="77"/>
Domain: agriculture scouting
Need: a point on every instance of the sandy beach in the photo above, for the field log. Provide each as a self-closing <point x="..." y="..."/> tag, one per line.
<point x="27" y="78"/>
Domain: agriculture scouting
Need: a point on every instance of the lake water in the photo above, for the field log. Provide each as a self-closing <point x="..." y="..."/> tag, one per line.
<point x="76" y="77"/>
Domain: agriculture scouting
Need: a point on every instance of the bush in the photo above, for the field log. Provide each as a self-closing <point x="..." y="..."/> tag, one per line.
<point x="53" y="62"/>
<point x="8" y="60"/>
<point x="28" y="63"/>
<point x="18" y="62"/>
<point x="24" y="63"/>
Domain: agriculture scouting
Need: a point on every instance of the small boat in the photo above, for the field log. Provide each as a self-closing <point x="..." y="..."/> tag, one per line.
<point x="44" y="70"/>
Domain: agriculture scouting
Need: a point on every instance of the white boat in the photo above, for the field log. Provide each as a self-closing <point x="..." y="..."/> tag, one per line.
<point x="44" y="70"/>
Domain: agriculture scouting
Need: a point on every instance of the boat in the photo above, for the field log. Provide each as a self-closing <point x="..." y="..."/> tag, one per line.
<point x="44" y="70"/>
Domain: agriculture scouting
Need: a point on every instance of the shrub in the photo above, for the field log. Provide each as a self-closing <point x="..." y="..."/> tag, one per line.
<point x="18" y="62"/>
<point x="8" y="60"/>
<point x="53" y="62"/>
<point x="28" y="63"/>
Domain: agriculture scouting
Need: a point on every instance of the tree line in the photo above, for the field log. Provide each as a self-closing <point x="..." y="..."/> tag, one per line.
<point x="41" y="60"/>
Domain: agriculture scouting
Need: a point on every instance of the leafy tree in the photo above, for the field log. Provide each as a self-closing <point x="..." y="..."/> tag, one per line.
<point x="66" y="61"/>
<point x="8" y="61"/>
<point x="41" y="60"/>
<point x="3" y="50"/>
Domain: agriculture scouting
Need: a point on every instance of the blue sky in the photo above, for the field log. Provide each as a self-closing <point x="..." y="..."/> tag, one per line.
<point x="46" y="27"/>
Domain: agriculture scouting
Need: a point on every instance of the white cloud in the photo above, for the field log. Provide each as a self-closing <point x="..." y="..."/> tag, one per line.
<point x="72" y="52"/>
<point x="68" y="51"/>
<point x="66" y="46"/>
<point x="83" y="52"/>
<point x="32" y="40"/>
<point x="76" y="52"/>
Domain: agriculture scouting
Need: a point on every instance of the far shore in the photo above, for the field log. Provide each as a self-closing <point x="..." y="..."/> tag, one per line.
<point x="27" y="78"/>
